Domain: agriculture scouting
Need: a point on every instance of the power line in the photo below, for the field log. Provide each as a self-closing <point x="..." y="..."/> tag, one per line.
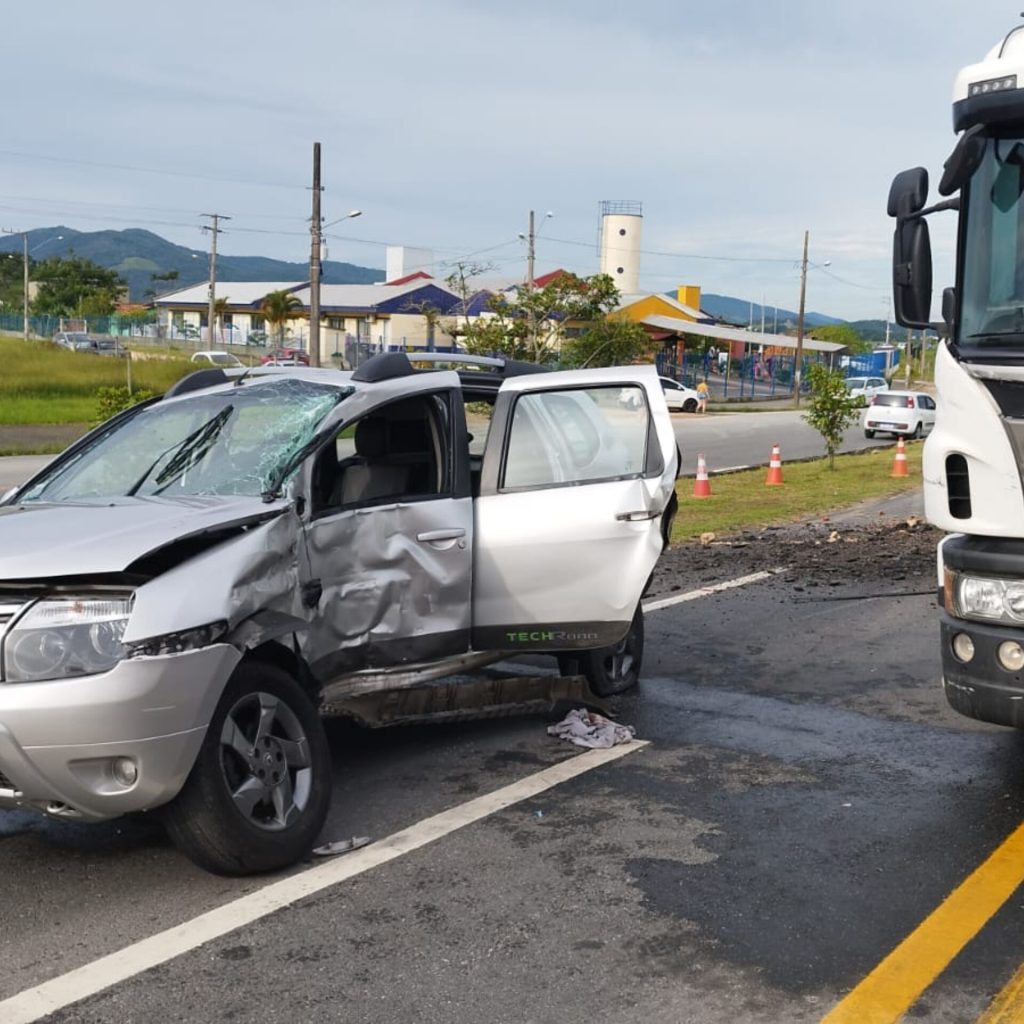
<point x="146" y="170"/>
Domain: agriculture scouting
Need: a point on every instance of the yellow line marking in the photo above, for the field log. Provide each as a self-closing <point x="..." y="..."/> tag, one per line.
<point x="897" y="982"/>
<point x="1008" y="1006"/>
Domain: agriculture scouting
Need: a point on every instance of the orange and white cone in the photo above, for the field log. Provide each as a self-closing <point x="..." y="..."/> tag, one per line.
<point x="702" y="486"/>
<point x="774" y="467"/>
<point x="899" y="465"/>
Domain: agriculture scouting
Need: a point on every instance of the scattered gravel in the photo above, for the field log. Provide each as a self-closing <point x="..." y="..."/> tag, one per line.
<point x="814" y="554"/>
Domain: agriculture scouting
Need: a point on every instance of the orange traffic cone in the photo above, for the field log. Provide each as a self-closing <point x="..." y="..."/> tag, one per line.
<point x="899" y="465"/>
<point x="702" y="486"/>
<point x="774" y="467"/>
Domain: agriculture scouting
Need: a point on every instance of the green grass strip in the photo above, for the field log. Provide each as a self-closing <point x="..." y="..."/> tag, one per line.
<point x="742" y="501"/>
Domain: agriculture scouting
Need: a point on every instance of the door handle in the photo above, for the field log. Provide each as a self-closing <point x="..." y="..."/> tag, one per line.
<point x="452" y="533"/>
<point x="640" y="516"/>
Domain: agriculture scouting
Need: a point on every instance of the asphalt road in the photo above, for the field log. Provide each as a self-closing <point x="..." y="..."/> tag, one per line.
<point x="727" y="440"/>
<point x="806" y="799"/>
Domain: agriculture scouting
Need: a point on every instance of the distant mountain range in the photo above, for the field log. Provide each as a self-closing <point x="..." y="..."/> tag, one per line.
<point x="137" y="255"/>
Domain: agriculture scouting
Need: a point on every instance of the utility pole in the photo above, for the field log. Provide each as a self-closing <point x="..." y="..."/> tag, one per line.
<point x="906" y="369"/>
<point x="215" y="229"/>
<point x="315" y="236"/>
<point x="800" y="326"/>
<point x="529" y="284"/>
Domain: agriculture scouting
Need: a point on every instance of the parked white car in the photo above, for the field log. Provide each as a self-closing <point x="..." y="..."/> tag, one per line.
<point x="901" y="413"/>
<point x="865" y="388"/>
<point x="678" y="397"/>
<point x="213" y="357"/>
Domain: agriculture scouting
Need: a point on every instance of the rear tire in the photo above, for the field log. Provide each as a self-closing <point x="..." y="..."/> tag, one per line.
<point x="257" y="796"/>
<point x="869" y="434"/>
<point x="613" y="669"/>
<point x="916" y="435"/>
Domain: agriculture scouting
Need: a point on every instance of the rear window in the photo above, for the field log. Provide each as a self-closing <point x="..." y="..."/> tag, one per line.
<point x="899" y="401"/>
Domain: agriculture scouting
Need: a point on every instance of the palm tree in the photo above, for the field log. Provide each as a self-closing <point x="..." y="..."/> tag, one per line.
<point x="278" y="307"/>
<point x="220" y="307"/>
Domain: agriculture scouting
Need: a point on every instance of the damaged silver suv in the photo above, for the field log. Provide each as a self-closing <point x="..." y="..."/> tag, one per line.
<point x="184" y="587"/>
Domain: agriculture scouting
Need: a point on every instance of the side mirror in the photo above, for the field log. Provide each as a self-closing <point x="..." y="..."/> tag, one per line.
<point x="908" y="192"/>
<point x="963" y="161"/>
<point x="912" y="273"/>
<point x="948" y="308"/>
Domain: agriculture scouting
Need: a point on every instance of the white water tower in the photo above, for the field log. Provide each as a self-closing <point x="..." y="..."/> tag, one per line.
<point x="621" y="224"/>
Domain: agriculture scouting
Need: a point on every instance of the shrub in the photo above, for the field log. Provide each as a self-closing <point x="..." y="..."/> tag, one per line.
<point x="112" y="400"/>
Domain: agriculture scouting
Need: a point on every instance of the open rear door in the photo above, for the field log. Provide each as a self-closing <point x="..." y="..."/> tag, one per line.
<point x="578" y="475"/>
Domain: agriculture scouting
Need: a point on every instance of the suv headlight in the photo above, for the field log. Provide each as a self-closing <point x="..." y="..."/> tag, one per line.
<point x="985" y="597"/>
<point x="62" y="637"/>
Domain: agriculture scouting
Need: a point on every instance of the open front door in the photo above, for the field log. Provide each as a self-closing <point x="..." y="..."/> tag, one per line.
<point x="578" y="475"/>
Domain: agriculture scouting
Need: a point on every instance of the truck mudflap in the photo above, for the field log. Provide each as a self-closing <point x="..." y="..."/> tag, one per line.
<point x="448" y="700"/>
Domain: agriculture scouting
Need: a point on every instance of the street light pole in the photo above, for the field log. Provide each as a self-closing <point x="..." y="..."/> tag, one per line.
<point x="314" y="263"/>
<point x="797" y="368"/>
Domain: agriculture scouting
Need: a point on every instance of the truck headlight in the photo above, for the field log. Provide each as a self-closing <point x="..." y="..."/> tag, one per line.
<point x="985" y="597"/>
<point x="62" y="637"/>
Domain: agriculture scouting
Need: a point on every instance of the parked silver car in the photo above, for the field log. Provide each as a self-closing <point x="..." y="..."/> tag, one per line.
<point x="182" y="588"/>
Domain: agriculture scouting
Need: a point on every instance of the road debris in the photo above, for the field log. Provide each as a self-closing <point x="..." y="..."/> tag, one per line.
<point x="589" y="729"/>
<point x="341" y="846"/>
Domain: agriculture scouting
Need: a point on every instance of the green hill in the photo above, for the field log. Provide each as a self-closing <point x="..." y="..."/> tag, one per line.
<point x="137" y="255"/>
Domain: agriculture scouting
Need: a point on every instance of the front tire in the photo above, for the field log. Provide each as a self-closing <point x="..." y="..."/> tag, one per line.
<point x="613" y="669"/>
<point x="257" y="796"/>
<point x="690" y="405"/>
<point x="869" y="434"/>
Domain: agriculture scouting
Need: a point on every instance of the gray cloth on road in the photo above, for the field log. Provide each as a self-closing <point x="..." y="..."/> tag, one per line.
<point x="589" y="729"/>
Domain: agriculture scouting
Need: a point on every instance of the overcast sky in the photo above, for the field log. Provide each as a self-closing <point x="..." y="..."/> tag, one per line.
<point x="738" y="125"/>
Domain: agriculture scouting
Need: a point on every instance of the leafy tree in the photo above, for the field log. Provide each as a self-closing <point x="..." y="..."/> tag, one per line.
<point x="841" y="334"/>
<point x="567" y="298"/>
<point x="831" y="408"/>
<point x="607" y="343"/>
<point x="12" y="282"/>
<point x="501" y="333"/>
<point x="277" y="308"/>
<point x="75" y="286"/>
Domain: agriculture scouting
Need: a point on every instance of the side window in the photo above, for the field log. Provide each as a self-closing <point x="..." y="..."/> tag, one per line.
<point x="396" y="452"/>
<point x="583" y="435"/>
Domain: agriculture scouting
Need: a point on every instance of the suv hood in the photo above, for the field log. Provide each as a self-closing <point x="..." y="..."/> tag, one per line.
<point x="40" y="541"/>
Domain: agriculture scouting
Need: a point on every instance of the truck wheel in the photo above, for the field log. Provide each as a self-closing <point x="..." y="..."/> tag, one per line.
<point x="614" y="669"/>
<point x="257" y="796"/>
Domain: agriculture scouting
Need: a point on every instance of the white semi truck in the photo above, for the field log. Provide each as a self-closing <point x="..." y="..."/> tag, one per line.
<point x="974" y="459"/>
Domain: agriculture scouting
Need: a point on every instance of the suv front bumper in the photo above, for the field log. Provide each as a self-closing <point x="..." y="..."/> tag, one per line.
<point x="59" y="739"/>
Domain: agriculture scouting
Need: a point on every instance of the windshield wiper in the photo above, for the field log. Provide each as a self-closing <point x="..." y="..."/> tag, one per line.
<point x="205" y="434"/>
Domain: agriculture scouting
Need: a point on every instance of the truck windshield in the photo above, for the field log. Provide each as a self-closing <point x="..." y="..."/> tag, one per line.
<point x="992" y="260"/>
<point x="229" y="442"/>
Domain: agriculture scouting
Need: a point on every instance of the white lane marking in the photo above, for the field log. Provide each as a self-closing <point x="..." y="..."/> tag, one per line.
<point x="693" y="595"/>
<point x="35" y="1003"/>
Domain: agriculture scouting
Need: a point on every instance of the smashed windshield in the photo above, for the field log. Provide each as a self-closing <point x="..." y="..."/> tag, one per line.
<point x="232" y="442"/>
<point x="992" y="286"/>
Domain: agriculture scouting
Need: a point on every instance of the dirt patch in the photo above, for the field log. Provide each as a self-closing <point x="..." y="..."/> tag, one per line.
<point x="813" y="554"/>
<point x="39" y="438"/>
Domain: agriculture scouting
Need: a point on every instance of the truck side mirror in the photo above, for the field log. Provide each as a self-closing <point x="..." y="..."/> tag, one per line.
<point x="908" y="192"/>
<point x="948" y="308"/>
<point x="912" y="273"/>
<point x="911" y="249"/>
